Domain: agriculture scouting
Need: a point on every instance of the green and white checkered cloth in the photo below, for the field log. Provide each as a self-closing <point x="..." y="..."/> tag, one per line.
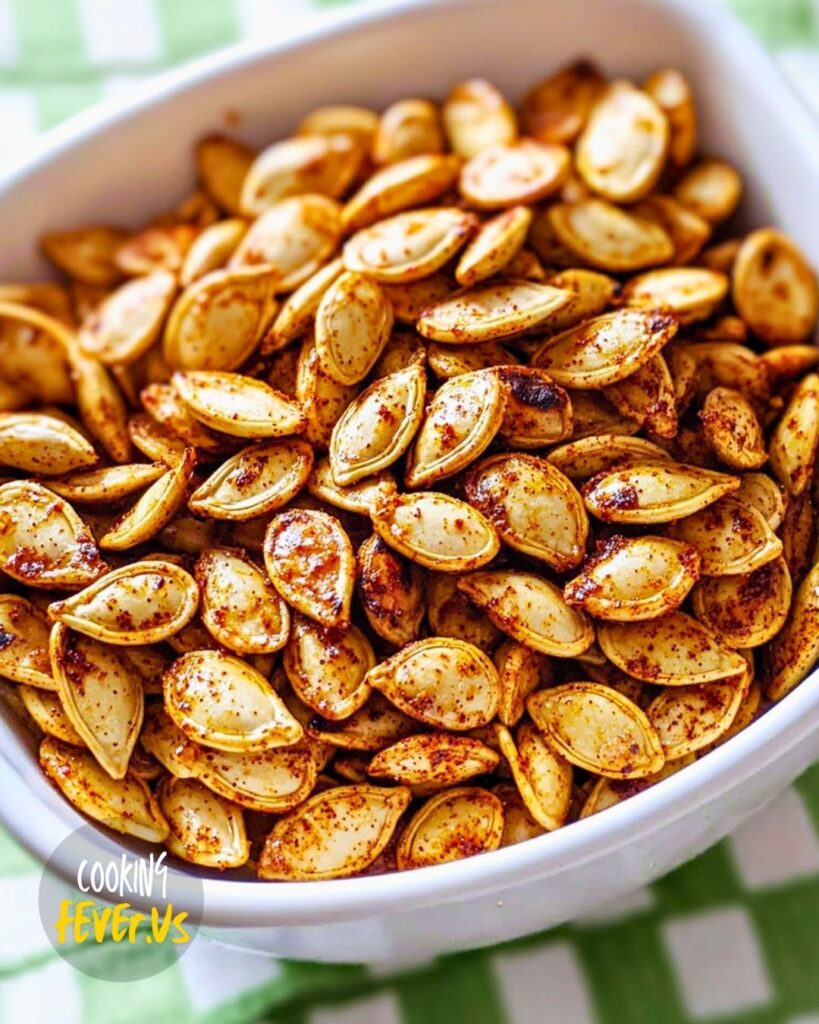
<point x="733" y="936"/>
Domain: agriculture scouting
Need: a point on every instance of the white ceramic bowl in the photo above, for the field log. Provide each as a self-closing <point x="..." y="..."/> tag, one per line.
<point x="125" y="161"/>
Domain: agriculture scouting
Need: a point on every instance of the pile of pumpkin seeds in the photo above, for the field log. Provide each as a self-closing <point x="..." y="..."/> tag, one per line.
<point x="421" y="484"/>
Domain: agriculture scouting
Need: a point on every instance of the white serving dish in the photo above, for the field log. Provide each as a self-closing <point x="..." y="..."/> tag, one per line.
<point x="124" y="161"/>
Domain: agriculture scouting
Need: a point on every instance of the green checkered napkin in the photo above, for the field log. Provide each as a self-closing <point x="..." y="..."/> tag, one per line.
<point x="733" y="936"/>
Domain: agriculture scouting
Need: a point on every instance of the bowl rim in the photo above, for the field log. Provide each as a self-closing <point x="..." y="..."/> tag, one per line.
<point x="242" y="903"/>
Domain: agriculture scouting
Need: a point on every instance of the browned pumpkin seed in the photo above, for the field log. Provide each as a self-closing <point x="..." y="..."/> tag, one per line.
<point x="327" y="665"/>
<point x="674" y="650"/>
<point x="459" y="424"/>
<point x="533" y="506"/>
<point x="606" y="349"/>
<point x="240" y="606"/>
<point x="222" y="702"/>
<point x="204" y="828"/>
<point x="310" y="560"/>
<point x="733" y="429"/>
<point x="392" y="592"/>
<point x="635" y="578"/>
<point x="655" y="492"/>
<point x="100" y="694"/>
<point x="43" y="542"/>
<point x="125" y="805"/>
<point x="746" y="610"/>
<point x="730" y="537"/>
<point x="140" y="603"/>
<point x="333" y="834"/>
<point x="531" y="610"/>
<point x="442" y="682"/>
<point x="377" y="427"/>
<point x="255" y="481"/>
<point x="454" y="824"/>
<point x="433" y="759"/>
<point x="494" y="310"/>
<point x="436" y="530"/>
<point x="598" y="729"/>
<point x="621" y="152"/>
<point x="795" y="650"/>
<point x="543" y="776"/>
<point x="24" y="632"/>
<point x="477" y="116"/>
<point x="795" y="440"/>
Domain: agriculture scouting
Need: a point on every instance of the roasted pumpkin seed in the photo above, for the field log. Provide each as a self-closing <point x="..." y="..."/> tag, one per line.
<point x="240" y="606"/>
<point x="442" y="682"/>
<point x="326" y="164"/>
<point x="690" y="293"/>
<point x="497" y="242"/>
<point x="635" y="578"/>
<point x="476" y="116"/>
<point x="495" y="310"/>
<point x="537" y="411"/>
<point x="140" y="603"/>
<point x="336" y="833"/>
<point x="454" y="824"/>
<point x="459" y="424"/>
<point x="533" y="506"/>
<point x="621" y="152"/>
<point x="130" y="320"/>
<point x="795" y="650"/>
<point x="409" y="246"/>
<point x="256" y="480"/>
<point x="795" y="440"/>
<point x="353" y="324"/>
<point x="606" y="349"/>
<point x="100" y="694"/>
<point x="711" y="189"/>
<point x="598" y="729"/>
<point x="298" y="311"/>
<point x="436" y="530"/>
<point x="43" y="542"/>
<point x="154" y="510"/>
<point x="125" y="805"/>
<point x="579" y="460"/>
<point x="543" y="777"/>
<point x="204" y="828"/>
<point x="222" y="702"/>
<point x="733" y="430"/>
<point x="46" y="708"/>
<point x="392" y="592"/>
<point x="656" y="492"/>
<point x="407" y="128"/>
<point x="731" y="538"/>
<point x="520" y="172"/>
<point x="673" y="650"/>
<point x="218" y="320"/>
<point x="24" y="632"/>
<point x="556" y="109"/>
<point x="746" y="610"/>
<point x="37" y="443"/>
<point x="688" y="718"/>
<point x="531" y="610"/>
<point x="310" y="560"/>
<point x="406" y="183"/>
<point x="327" y="665"/>
<point x="433" y="759"/>
<point x="647" y="396"/>
<point x="238" y="405"/>
<point x="450" y="613"/>
<point x="604" y="236"/>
